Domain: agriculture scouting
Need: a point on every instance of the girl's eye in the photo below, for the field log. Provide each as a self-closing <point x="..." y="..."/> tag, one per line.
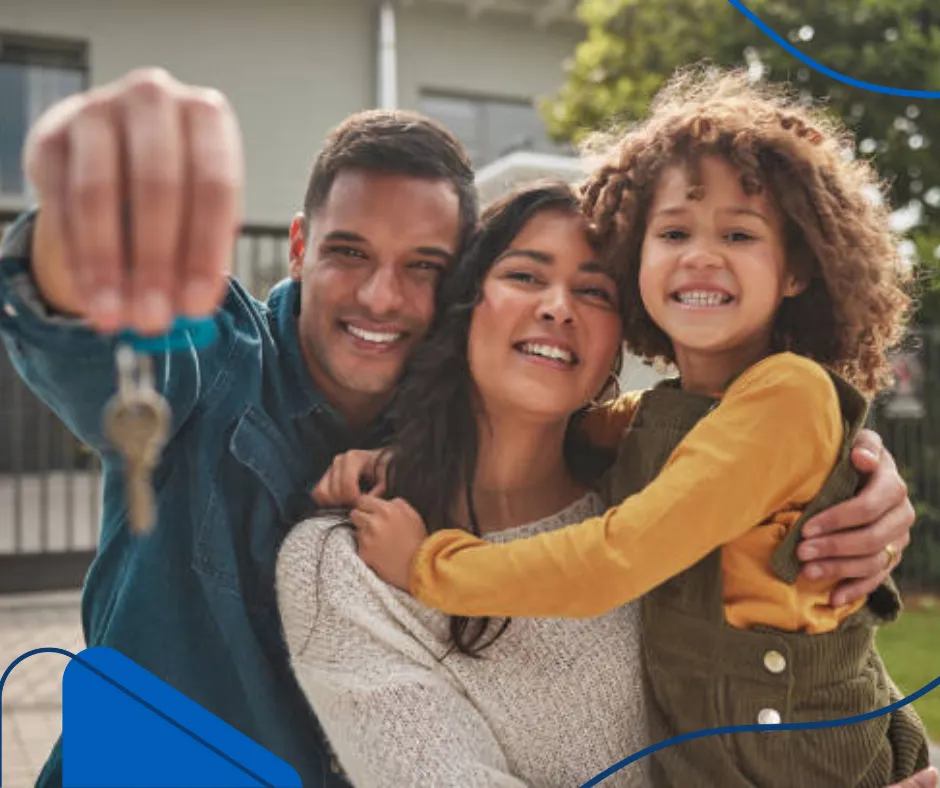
<point x="674" y="235"/>
<point x="739" y="236"/>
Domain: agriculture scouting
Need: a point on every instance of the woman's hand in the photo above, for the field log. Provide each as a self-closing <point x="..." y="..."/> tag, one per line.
<point x="349" y="475"/>
<point x="928" y="778"/>
<point x="389" y="534"/>
<point x="861" y="540"/>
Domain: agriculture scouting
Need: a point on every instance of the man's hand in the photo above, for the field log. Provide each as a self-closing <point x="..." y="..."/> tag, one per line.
<point x="856" y="541"/>
<point x="139" y="185"/>
<point x="928" y="778"/>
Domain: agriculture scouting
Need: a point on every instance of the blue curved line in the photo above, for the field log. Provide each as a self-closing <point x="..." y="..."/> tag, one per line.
<point x="923" y="94"/>
<point x="132" y="696"/>
<point x="786" y="726"/>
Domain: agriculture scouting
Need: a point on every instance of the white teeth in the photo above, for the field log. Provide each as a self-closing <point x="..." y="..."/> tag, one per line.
<point x="548" y="351"/>
<point x="702" y="298"/>
<point x="378" y="337"/>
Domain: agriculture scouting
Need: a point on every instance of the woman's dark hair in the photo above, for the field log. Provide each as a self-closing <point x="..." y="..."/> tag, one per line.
<point x="433" y="414"/>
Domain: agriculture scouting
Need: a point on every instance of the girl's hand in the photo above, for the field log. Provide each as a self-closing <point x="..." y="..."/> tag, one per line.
<point x="389" y="534"/>
<point x="349" y="475"/>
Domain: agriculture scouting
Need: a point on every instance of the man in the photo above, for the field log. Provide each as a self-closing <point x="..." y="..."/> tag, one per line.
<point x="139" y="184"/>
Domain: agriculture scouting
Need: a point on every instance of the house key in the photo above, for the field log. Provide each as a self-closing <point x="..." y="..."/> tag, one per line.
<point x="137" y="424"/>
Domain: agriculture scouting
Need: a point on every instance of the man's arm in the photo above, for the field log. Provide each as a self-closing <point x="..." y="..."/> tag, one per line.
<point x="844" y="543"/>
<point x="138" y="184"/>
<point x="848" y="541"/>
<point x="70" y="366"/>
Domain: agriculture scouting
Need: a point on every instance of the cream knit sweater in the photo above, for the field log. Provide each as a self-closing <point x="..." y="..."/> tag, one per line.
<point x="550" y="705"/>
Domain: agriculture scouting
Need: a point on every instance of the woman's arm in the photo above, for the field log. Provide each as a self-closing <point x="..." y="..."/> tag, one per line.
<point x="768" y="447"/>
<point x="390" y="712"/>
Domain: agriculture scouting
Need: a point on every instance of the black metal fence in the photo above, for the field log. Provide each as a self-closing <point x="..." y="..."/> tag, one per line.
<point x="909" y="422"/>
<point x="50" y="482"/>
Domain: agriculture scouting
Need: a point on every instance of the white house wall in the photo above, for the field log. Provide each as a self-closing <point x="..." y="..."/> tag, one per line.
<point x="294" y="69"/>
<point x="495" y="55"/>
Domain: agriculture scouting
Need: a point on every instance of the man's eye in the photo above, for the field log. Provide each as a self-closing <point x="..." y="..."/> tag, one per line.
<point x="347" y="251"/>
<point x="428" y="265"/>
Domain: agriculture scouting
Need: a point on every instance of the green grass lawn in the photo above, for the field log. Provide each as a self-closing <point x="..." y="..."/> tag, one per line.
<point x="911" y="650"/>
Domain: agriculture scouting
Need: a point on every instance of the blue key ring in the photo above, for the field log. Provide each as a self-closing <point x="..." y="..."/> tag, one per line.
<point x="185" y="332"/>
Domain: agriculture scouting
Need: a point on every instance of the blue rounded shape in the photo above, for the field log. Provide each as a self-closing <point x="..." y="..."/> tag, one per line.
<point x="890" y="91"/>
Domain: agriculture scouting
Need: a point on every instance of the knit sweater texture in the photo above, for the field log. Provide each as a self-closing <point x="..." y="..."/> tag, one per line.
<point x="551" y="704"/>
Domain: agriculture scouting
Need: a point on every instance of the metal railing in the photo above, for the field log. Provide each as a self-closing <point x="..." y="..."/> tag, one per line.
<point x="908" y="421"/>
<point x="50" y="483"/>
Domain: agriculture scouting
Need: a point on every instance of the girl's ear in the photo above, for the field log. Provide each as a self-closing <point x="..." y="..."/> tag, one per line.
<point x="794" y="285"/>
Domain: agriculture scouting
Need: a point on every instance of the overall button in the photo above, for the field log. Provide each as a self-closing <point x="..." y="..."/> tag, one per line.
<point x="9" y="309"/>
<point x="769" y="717"/>
<point x="775" y="662"/>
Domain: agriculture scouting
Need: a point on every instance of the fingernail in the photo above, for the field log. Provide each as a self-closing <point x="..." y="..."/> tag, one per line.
<point x="808" y="552"/>
<point x="814" y="572"/>
<point x="199" y="297"/>
<point x="154" y="310"/>
<point x="869" y="454"/>
<point x="811" y="530"/>
<point x="106" y="303"/>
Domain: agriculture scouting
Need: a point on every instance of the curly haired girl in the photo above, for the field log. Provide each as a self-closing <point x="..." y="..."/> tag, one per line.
<point x="757" y="259"/>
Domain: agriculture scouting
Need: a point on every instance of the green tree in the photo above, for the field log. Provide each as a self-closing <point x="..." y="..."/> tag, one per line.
<point x="632" y="46"/>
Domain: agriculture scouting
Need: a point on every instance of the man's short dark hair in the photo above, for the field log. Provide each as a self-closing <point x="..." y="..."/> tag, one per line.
<point x="394" y="142"/>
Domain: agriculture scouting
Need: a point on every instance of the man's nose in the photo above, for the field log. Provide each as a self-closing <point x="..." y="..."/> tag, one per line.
<point x="382" y="292"/>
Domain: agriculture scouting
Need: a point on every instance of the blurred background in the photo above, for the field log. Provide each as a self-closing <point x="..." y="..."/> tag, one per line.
<point x="519" y="82"/>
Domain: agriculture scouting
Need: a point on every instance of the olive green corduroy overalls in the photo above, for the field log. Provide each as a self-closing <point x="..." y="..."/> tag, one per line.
<point x="702" y="673"/>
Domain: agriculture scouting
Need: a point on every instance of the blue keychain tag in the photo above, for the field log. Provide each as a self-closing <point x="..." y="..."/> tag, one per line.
<point x="185" y="332"/>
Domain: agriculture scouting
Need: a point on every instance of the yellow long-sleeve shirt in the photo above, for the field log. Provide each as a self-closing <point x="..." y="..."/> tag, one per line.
<point x="739" y="480"/>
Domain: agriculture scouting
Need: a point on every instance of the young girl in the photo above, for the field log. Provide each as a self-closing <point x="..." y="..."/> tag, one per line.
<point x="760" y="266"/>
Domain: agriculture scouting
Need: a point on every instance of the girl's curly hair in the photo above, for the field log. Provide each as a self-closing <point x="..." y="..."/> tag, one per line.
<point x="834" y="207"/>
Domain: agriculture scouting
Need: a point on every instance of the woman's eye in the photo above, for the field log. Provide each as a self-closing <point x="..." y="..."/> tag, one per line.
<point x="598" y="292"/>
<point x="521" y="276"/>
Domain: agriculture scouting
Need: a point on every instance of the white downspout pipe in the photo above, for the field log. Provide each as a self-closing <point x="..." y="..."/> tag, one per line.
<point x="387" y="57"/>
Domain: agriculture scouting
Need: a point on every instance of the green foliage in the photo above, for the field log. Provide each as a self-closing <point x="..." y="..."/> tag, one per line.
<point x="632" y="46"/>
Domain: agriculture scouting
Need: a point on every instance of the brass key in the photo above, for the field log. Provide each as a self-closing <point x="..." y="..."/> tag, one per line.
<point x="137" y="423"/>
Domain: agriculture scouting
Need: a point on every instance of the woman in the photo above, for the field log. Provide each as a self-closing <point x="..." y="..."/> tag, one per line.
<point x="407" y="696"/>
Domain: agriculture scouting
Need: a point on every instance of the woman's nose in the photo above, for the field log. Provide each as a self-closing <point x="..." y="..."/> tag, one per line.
<point x="556" y="306"/>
